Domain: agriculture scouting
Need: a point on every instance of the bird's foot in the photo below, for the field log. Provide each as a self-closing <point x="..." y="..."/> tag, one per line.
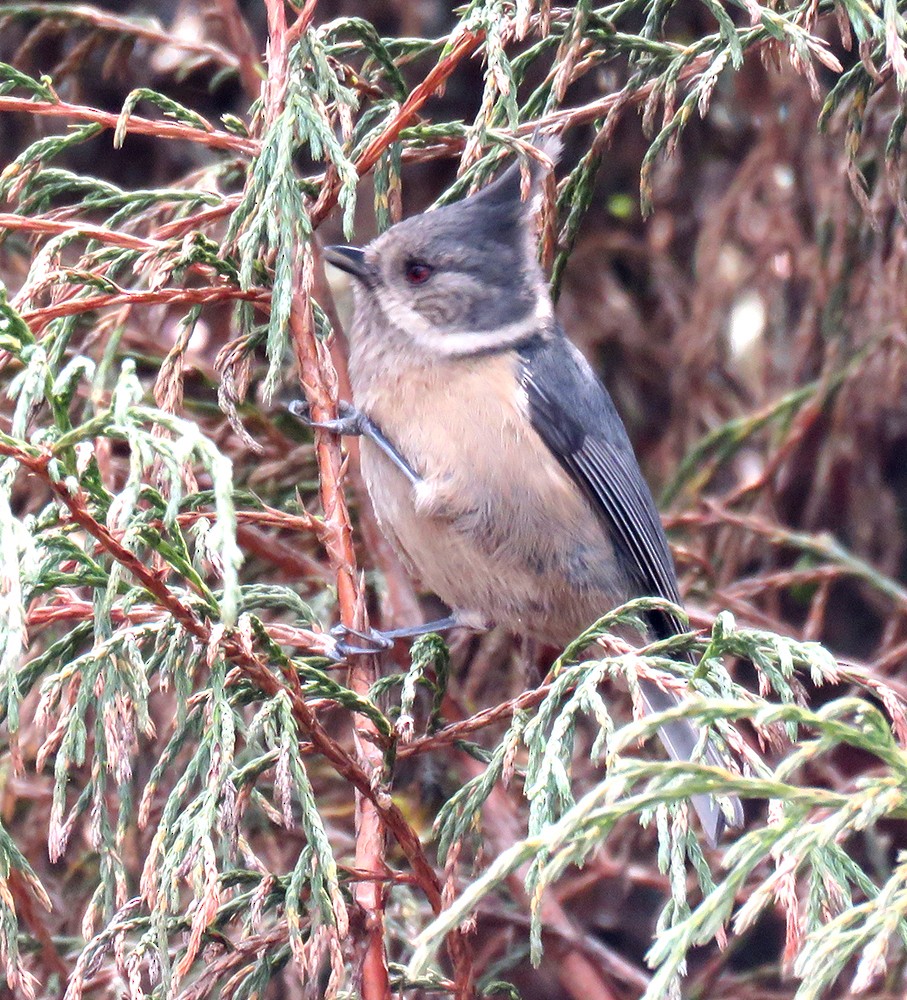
<point x="374" y="641"/>
<point x="352" y="422"/>
<point x="371" y="641"/>
<point x="348" y="421"/>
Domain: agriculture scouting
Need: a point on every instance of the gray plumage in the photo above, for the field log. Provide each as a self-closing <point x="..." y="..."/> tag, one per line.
<point x="530" y="511"/>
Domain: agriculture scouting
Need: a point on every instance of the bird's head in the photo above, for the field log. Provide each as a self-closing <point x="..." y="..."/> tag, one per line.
<point x="462" y="278"/>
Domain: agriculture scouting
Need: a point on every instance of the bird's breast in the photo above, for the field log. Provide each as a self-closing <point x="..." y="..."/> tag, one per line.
<point x="496" y="526"/>
<point x="464" y="429"/>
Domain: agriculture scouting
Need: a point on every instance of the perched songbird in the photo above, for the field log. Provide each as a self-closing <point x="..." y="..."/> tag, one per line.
<point x="495" y="459"/>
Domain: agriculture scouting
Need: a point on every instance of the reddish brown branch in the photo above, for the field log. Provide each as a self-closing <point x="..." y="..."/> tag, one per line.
<point x="319" y="379"/>
<point x="179" y="227"/>
<point x="148" y="614"/>
<point x="464" y="47"/>
<point x="319" y="382"/>
<point x="214" y="138"/>
<point x="252" y="665"/>
<point x="37" y="318"/>
<point x="481" y="720"/>
<point x="55" y="227"/>
<point x="302" y="23"/>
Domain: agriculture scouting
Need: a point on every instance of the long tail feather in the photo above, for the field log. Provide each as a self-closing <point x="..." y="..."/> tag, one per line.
<point x="680" y="739"/>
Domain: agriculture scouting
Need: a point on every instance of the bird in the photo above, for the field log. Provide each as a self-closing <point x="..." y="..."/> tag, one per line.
<point x="496" y="462"/>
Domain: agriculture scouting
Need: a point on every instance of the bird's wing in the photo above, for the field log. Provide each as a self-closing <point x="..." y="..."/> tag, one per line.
<point x="573" y="414"/>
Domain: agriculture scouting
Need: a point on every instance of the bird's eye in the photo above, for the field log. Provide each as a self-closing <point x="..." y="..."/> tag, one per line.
<point x="418" y="272"/>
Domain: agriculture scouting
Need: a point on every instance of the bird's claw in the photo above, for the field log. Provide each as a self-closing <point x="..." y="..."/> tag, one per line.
<point x="348" y="421"/>
<point x="375" y="641"/>
<point x="299" y="408"/>
<point x="352" y="422"/>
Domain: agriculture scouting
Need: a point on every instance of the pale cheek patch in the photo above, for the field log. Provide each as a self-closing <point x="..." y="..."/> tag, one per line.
<point x="440" y="338"/>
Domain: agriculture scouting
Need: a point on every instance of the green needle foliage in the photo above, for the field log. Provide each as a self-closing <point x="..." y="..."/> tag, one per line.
<point x="808" y="830"/>
<point x="177" y="752"/>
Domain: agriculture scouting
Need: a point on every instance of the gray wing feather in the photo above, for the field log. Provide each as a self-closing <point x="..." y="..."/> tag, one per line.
<point x="591" y="444"/>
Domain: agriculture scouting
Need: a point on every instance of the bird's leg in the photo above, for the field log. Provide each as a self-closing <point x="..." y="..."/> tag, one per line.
<point x="351" y="423"/>
<point x="348" y="423"/>
<point x="378" y="641"/>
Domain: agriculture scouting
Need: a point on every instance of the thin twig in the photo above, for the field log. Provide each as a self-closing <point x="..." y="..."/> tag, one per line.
<point x="245" y="52"/>
<point x="54" y="227"/>
<point x="824" y="547"/>
<point x="215" y="138"/>
<point x="465" y="46"/>
<point x="39" y="318"/>
<point x="481" y="720"/>
<point x="318" y="381"/>
<point x="105" y="21"/>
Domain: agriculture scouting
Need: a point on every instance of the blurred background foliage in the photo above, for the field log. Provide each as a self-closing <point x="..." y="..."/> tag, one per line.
<point x="184" y="809"/>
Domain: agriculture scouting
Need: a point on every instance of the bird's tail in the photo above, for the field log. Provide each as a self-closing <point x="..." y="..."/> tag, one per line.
<point x="680" y="739"/>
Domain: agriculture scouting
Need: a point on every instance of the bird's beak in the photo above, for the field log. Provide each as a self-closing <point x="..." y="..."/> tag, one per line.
<point x="349" y="259"/>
